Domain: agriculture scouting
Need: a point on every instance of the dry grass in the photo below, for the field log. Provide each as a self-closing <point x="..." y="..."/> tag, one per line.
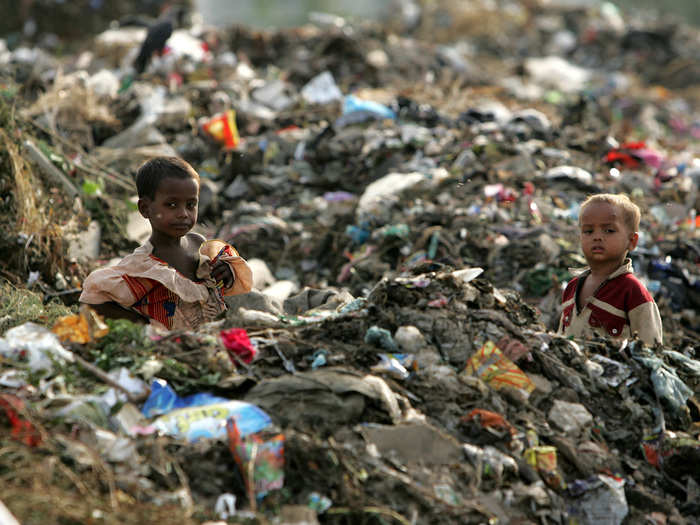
<point x="73" y="108"/>
<point x="39" y="487"/>
<point x="63" y="481"/>
<point x="28" y="217"/>
<point x="31" y="223"/>
<point x="475" y="19"/>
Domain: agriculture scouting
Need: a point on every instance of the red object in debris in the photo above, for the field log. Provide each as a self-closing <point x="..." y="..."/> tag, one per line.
<point x="488" y="419"/>
<point x="512" y="348"/>
<point x="236" y="340"/>
<point x="222" y="128"/>
<point x="626" y="155"/>
<point x="22" y="430"/>
<point x="625" y="158"/>
<point x="440" y="302"/>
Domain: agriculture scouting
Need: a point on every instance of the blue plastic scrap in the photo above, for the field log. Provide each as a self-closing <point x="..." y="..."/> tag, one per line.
<point x="163" y="399"/>
<point x="381" y="337"/>
<point x="201" y="415"/>
<point x="351" y="104"/>
<point x="689" y="365"/>
<point x="667" y="384"/>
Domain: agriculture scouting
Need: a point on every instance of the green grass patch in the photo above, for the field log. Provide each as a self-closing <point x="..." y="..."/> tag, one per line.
<point x="19" y="306"/>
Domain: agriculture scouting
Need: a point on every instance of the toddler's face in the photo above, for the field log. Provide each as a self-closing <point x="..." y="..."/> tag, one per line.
<point x="605" y="239"/>
<point x="173" y="210"/>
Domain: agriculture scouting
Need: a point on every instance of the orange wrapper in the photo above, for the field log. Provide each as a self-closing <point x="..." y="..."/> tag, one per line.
<point x="488" y="419"/>
<point x="80" y="328"/>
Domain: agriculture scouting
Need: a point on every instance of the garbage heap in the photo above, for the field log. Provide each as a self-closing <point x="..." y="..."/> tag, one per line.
<point x="407" y="193"/>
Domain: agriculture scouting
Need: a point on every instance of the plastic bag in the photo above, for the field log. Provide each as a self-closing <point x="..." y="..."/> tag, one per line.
<point x="569" y="417"/>
<point x="396" y="365"/>
<point x="667" y="384"/>
<point x="691" y="366"/>
<point x="490" y="420"/>
<point x="352" y="103"/>
<point x="35" y="343"/>
<point x="614" y="372"/>
<point x="163" y="399"/>
<point x="321" y="89"/>
<point x="598" y="501"/>
<point x="493" y="461"/>
<point x="670" y="387"/>
<point x="209" y="421"/>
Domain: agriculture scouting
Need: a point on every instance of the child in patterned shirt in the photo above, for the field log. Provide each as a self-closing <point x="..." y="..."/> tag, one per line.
<point x="177" y="279"/>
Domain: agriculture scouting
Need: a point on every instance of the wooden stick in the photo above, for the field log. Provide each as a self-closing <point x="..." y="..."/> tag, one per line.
<point x="47" y="167"/>
<point x="100" y="171"/>
<point x="105" y="377"/>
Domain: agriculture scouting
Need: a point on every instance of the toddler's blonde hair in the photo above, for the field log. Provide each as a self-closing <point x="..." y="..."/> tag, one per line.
<point x="630" y="211"/>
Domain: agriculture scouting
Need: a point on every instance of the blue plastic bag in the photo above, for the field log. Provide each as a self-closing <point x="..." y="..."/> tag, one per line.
<point x="351" y="103"/>
<point x="163" y="399"/>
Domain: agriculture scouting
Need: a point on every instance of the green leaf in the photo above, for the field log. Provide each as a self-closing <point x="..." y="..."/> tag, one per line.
<point x="91" y="187"/>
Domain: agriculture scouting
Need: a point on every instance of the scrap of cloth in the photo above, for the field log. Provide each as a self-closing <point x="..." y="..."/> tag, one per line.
<point x="150" y="286"/>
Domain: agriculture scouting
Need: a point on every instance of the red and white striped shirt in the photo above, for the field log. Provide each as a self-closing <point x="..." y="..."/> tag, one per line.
<point x="619" y="308"/>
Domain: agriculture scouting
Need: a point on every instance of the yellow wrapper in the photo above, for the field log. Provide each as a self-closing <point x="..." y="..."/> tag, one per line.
<point x="495" y="369"/>
<point x="542" y="458"/>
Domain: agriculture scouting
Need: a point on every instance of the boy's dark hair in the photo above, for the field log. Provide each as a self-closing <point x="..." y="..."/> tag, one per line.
<point x="153" y="171"/>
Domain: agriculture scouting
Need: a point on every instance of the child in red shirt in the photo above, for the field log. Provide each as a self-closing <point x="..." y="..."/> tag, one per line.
<point x="606" y="298"/>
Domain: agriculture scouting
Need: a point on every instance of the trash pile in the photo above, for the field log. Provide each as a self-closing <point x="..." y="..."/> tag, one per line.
<point x="407" y="195"/>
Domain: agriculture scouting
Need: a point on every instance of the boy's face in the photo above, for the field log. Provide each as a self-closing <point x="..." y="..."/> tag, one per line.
<point x="173" y="210"/>
<point x="605" y="239"/>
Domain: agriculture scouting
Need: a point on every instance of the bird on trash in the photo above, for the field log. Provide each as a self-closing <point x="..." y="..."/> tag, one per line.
<point x="157" y="36"/>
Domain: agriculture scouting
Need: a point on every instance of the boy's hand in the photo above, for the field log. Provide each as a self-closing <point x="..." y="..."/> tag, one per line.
<point x="221" y="272"/>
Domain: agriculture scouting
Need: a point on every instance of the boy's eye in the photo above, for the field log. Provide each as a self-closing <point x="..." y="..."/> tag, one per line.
<point x="191" y="205"/>
<point x="610" y="230"/>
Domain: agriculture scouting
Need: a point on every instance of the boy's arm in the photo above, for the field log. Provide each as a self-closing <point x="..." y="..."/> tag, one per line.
<point x="234" y="270"/>
<point x="645" y="320"/>
<point x="567" y="299"/>
<point x="560" y="325"/>
<point x="114" y="310"/>
<point x="222" y="272"/>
